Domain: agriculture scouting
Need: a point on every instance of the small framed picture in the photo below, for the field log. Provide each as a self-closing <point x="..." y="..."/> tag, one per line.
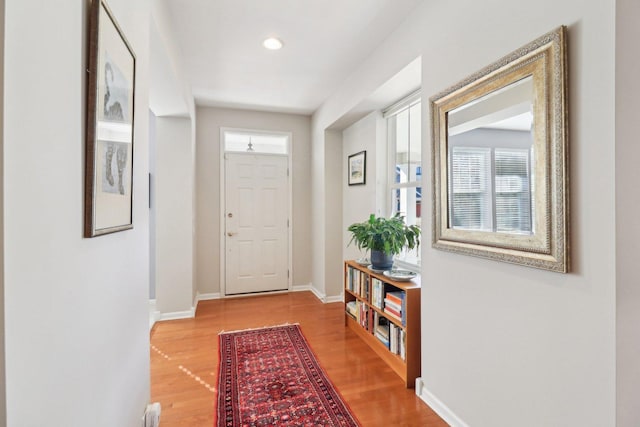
<point x="357" y="168"/>
<point x="109" y="141"/>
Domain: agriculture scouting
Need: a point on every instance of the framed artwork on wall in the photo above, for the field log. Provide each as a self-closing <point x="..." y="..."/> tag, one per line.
<point x="109" y="137"/>
<point x="500" y="159"/>
<point x="357" y="168"/>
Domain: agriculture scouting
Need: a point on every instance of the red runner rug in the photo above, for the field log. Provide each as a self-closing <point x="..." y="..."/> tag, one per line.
<point x="270" y="377"/>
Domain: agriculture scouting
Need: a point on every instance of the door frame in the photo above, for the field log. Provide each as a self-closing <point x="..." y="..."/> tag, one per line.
<point x="222" y="230"/>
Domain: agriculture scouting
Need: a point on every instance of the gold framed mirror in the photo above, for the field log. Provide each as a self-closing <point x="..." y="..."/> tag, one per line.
<point x="500" y="154"/>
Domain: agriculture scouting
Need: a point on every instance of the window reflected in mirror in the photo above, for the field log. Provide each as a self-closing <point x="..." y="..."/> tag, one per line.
<point x="490" y="157"/>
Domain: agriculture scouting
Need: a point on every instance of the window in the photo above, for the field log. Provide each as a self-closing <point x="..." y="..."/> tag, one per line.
<point x="491" y="187"/>
<point x="405" y="167"/>
<point x="248" y="141"/>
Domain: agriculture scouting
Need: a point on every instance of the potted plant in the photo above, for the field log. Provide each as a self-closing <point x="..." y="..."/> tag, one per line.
<point x="384" y="237"/>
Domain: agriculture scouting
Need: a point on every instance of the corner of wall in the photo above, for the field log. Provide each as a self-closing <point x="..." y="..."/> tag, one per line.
<point x="333" y="212"/>
<point x="3" y="408"/>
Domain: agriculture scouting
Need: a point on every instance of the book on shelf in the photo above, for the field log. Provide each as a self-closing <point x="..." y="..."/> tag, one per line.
<point x="357" y="282"/>
<point x="396" y="302"/>
<point x="393" y="305"/>
<point x="381" y="329"/>
<point x="382" y="339"/>
<point x="397" y="341"/>
<point x="390" y="310"/>
<point x="359" y="311"/>
<point x="363" y="314"/>
<point x="366" y="287"/>
<point x="392" y="314"/>
<point x="352" y="309"/>
<point x="396" y="297"/>
<point x="381" y="324"/>
<point x="393" y="339"/>
<point x="377" y="292"/>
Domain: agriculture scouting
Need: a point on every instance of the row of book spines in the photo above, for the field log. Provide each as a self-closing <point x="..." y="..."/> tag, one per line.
<point x="358" y="282"/>
<point x="394" y="339"/>
<point x="392" y="303"/>
<point x="399" y="319"/>
<point x="359" y="312"/>
<point x="380" y="292"/>
<point x="395" y="297"/>
<point x="397" y="341"/>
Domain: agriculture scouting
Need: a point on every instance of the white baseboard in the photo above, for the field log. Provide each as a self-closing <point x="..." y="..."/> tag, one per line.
<point x="335" y="298"/>
<point x="321" y="296"/>
<point x="205" y="297"/>
<point x="300" y="288"/>
<point x="154" y="315"/>
<point x="438" y="406"/>
<point x="318" y="294"/>
<point x="309" y="287"/>
<point x="187" y="314"/>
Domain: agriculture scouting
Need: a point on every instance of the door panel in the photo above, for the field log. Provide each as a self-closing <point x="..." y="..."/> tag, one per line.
<point x="256" y="223"/>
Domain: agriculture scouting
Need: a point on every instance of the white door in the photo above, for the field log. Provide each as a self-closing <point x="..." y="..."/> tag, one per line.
<point x="256" y="223"/>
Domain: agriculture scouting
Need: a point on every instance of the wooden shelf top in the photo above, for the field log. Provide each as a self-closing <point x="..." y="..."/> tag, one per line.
<point x="412" y="284"/>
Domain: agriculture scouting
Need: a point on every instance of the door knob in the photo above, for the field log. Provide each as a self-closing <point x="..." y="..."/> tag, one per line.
<point x="231" y="234"/>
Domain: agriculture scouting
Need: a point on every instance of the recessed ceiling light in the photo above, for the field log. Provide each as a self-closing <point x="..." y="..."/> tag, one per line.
<point x="272" y="43"/>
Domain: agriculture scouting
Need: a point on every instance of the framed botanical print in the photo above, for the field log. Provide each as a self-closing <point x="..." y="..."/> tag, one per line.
<point x="110" y="130"/>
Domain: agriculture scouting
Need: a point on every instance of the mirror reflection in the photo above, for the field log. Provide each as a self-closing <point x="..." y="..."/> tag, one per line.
<point x="500" y="159"/>
<point x="490" y="157"/>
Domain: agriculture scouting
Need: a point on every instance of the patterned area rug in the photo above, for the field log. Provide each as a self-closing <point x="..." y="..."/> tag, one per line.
<point x="270" y="377"/>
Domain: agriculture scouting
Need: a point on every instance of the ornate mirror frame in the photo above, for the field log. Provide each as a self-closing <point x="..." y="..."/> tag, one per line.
<point x="546" y="244"/>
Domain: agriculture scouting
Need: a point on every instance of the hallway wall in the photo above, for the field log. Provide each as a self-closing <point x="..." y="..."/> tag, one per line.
<point x="506" y="345"/>
<point x="76" y="322"/>
<point x="174" y="231"/>
<point x="3" y="388"/>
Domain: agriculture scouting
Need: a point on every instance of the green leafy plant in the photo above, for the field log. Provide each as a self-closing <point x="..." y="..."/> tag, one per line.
<point x="388" y="235"/>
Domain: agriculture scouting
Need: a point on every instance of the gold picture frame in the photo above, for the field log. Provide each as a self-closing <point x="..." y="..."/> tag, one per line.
<point x="500" y="190"/>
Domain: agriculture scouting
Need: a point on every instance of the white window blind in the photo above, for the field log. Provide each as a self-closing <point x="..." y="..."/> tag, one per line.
<point x="470" y="195"/>
<point x="490" y="189"/>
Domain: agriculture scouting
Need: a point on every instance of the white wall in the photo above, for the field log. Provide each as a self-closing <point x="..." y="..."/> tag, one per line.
<point x="76" y="325"/>
<point x="152" y="203"/>
<point x="360" y="201"/>
<point x="318" y="217"/>
<point x="170" y="92"/>
<point x="174" y="194"/>
<point x="332" y="205"/>
<point x="356" y="95"/>
<point x="627" y="205"/>
<point x="171" y="96"/>
<point x="542" y="345"/>
<point x="3" y="402"/>
<point x="506" y="345"/>
<point x="209" y="121"/>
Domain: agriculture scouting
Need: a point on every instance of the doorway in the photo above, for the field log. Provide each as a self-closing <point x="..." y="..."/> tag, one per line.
<point x="256" y="207"/>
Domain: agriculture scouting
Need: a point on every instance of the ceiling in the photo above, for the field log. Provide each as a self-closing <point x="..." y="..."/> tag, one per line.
<point x="220" y="42"/>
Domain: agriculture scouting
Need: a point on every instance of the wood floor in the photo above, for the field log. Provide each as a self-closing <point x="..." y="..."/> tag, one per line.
<point x="184" y="361"/>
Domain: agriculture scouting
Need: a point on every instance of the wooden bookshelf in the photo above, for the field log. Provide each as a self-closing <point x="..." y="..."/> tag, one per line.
<point x="361" y="292"/>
